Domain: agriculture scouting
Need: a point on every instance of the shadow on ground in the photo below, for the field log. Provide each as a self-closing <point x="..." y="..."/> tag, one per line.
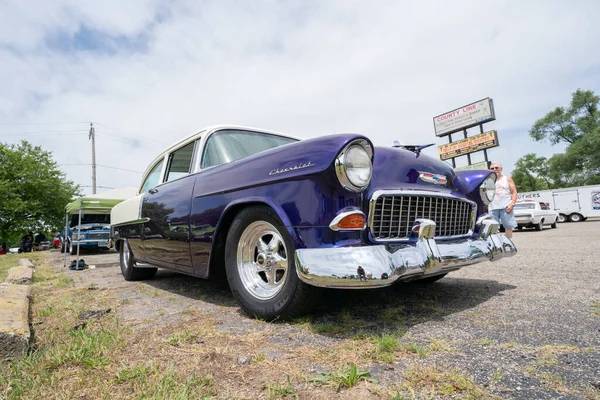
<point x="346" y="313"/>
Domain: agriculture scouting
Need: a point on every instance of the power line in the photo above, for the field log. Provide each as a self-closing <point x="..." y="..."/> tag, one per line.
<point x="123" y="140"/>
<point x="105" y="166"/>
<point x="43" y="133"/>
<point x="130" y="133"/>
<point x="42" y="123"/>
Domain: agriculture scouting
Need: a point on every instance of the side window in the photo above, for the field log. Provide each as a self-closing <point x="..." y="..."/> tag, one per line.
<point x="153" y="177"/>
<point x="180" y="161"/>
<point x="230" y="145"/>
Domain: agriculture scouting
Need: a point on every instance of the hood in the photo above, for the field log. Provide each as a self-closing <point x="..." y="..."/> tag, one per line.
<point x="395" y="168"/>
<point x="286" y="162"/>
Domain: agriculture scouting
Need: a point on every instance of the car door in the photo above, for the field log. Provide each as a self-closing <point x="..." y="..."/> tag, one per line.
<point x="546" y="213"/>
<point x="166" y="209"/>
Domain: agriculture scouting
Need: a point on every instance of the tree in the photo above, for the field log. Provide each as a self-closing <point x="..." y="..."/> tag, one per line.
<point x="577" y="125"/>
<point x="531" y="173"/>
<point x="33" y="191"/>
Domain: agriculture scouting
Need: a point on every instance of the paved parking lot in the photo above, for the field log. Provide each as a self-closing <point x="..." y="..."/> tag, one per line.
<point x="524" y="327"/>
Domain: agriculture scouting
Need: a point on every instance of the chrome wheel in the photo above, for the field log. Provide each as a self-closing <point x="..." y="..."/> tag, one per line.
<point x="562" y="217"/>
<point x="262" y="261"/>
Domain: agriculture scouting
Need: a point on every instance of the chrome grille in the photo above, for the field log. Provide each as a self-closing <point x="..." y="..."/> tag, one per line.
<point x="393" y="215"/>
<point x="98" y="236"/>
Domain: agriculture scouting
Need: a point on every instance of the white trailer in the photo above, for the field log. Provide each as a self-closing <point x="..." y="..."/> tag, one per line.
<point x="573" y="204"/>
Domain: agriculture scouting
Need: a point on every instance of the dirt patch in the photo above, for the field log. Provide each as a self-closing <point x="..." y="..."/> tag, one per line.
<point x="523" y="327"/>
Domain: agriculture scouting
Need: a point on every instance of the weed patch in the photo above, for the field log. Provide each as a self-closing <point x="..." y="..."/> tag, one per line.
<point x="343" y="379"/>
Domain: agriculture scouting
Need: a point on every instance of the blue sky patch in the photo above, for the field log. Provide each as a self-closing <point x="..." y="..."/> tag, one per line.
<point x="87" y="39"/>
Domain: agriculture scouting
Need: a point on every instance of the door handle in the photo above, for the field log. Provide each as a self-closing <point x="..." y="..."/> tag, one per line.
<point x="153" y="191"/>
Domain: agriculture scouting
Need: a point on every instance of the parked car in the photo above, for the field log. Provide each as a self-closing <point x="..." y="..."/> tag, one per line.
<point x="93" y="233"/>
<point x="283" y="217"/>
<point x="534" y="214"/>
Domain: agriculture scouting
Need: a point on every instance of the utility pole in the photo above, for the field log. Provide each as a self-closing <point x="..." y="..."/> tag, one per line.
<point x="92" y="136"/>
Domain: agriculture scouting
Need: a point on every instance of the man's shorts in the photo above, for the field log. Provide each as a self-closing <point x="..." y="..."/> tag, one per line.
<point x="506" y="219"/>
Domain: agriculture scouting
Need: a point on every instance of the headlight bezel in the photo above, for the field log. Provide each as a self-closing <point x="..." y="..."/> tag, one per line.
<point x="487" y="187"/>
<point x="341" y="167"/>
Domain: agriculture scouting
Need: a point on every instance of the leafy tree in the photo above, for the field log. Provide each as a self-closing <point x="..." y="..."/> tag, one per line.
<point x="577" y="125"/>
<point x="531" y="173"/>
<point x="33" y="191"/>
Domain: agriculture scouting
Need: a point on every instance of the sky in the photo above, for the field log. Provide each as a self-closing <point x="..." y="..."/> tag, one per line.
<point x="150" y="72"/>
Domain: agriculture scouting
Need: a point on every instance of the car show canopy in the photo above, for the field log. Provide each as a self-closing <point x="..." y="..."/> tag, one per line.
<point x="100" y="203"/>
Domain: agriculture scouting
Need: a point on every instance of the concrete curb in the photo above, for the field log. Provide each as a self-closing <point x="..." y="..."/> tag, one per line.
<point x="15" y="334"/>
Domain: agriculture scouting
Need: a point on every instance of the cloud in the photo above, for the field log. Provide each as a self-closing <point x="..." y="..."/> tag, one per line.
<point x="153" y="72"/>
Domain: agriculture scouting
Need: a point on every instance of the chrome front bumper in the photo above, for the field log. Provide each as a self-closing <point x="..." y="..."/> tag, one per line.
<point x="382" y="265"/>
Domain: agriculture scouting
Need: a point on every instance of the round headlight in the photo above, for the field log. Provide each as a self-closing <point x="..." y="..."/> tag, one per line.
<point x="354" y="167"/>
<point x="358" y="166"/>
<point x="487" y="190"/>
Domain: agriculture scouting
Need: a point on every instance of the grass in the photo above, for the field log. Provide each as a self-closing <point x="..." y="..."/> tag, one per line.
<point x="9" y="261"/>
<point x="450" y="382"/>
<point x="183" y="337"/>
<point x="276" y="390"/>
<point x="416" y="349"/>
<point x="595" y="308"/>
<point x="87" y="348"/>
<point x="347" y="378"/>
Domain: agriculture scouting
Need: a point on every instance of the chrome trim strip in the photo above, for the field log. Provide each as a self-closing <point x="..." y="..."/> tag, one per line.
<point x="334" y="223"/>
<point x="135" y="221"/>
<point x="412" y="193"/>
<point x="375" y="266"/>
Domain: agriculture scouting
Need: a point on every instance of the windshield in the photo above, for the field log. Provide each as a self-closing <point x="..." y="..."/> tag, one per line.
<point x="226" y="146"/>
<point x="525" y="206"/>
<point x="90" y="219"/>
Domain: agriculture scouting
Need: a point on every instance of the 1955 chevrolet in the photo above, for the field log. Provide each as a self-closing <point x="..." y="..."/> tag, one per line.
<point x="283" y="218"/>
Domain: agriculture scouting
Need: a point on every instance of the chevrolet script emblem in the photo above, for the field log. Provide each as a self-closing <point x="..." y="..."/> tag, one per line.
<point x="432" y="178"/>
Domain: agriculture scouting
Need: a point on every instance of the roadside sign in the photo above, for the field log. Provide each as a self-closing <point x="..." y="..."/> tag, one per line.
<point x="473" y="114"/>
<point x="469" y="145"/>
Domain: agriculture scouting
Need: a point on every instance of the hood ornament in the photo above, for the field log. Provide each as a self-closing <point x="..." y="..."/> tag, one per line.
<point x="436" y="179"/>
<point x="415" y="148"/>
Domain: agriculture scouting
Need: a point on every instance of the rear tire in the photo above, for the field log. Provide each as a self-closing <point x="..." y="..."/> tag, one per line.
<point x="539" y="226"/>
<point x="575" y="217"/>
<point x="562" y="218"/>
<point x="129" y="270"/>
<point x="260" y="266"/>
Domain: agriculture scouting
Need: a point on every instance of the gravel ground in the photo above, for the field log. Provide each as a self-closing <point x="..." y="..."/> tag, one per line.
<point x="524" y="327"/>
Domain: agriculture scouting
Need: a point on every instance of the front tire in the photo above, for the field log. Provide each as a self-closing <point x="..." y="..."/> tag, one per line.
<point x="260" y="267"/>
<point x="72" y="249"/>
<point x="129" y="270"/>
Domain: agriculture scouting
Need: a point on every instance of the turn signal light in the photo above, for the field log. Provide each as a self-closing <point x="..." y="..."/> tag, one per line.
<point x="352" y="221"/>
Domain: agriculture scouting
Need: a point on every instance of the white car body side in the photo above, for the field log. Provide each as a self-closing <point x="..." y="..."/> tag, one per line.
<point x="531" y="213"/>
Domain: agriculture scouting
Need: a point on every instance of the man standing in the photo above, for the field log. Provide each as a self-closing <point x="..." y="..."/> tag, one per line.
<point x="503" y="203"/>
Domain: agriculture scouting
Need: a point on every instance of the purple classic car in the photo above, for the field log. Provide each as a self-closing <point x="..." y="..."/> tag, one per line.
<point x="283" y="218"/>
